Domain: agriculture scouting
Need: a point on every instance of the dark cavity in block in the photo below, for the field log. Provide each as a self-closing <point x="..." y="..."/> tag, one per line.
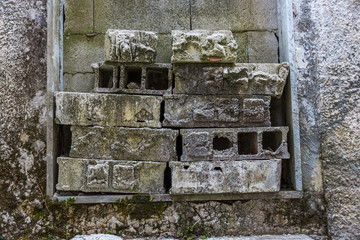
<point x="106" y="76"/>
<point x="221" y="143"/>
<point x="132" y="78"/>
<point x="247" y="143"/>
<point x="271" y="140"/>
<point x="157" y="78"/>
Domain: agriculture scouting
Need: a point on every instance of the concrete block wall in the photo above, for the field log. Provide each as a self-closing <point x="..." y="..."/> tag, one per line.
<point x="253" y="23"/>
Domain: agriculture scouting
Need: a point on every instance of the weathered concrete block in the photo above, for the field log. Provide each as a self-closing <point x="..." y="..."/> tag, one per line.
<point x="263" y="47"/>
<point x="234" y="15"/>
<point x="133" y="78"/>
<point x="225" y="177"/>
<point x="161" y="16"/>
<point x="203" y="46"/>
<point x="139" y="144"/>
<point x="79" y="16"/>
<point x="216" y="111"/>
<point x="88" y="109"/>
<point x="130" y="46"/>
<point x="81" y="51"/>
<point x="234" y="143"/>
<point x="243" y="78"/>
<point x="90" y="175"/>
<point x="80" y="82"/>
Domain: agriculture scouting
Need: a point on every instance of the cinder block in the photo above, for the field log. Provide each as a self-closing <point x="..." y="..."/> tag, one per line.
<point x="234" y="15"/>
<point x="241" y="78"/>
<point x="234" y="143"/>
<point x="89" y="175"/>
<point x="263" y="47"/>
<point x="130" y="46"/>
<point x="225" y="177"/>
<point x="138" y="144"/>
<point x="79" y="82"/>
<point x="216" y="111"/>
<point x="88" y="109"/>
<point x="203" y="46"/>
<point x="81" y="51"/>
<point x="133" y="78"/>
<point x="160" y="16"/>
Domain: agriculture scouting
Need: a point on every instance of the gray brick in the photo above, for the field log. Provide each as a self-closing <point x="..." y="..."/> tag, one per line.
<point x="79" y="16"/>
<point x="234" y="15"/>
<point x="263" y="47"/>
<point x="225" y="177"/>
<point x="138" y="144"/>
<point x="161" y="16"/>
<point x="107" y="110"/>
<point x="81" y="51"/>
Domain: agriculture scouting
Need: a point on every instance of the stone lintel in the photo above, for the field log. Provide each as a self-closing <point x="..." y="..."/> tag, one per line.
<point x="215" y="144"/>
<point x="138" y="144"/>
<point x="216" y="111"/>
<point x="88" y="109"/>
<point x="225" y="176"/>
<point x="89" y="175"/>
<point x="241" y="78"/>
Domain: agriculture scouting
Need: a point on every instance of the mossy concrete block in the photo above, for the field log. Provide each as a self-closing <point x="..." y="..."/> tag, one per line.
<point x="81" y="51"/>
<point x="130" y="46"/>
<point x="160" y="16"/>
<point x="79" y="16"/>
<point x="234" y="15"/>
<point x="263" y="47"/>
<point x="203" y="46"/>
<point x="225" y="177"/>
<point x="228" y="144"/>
<point x="216" y="111"/>
<point x="227" y="79"/>
<point x="89" y="175"/>
<point x="88" y="109"/>
<point x="139" y="144"/>
<point x="79" y="82"/>
<point x="242" y="51"/>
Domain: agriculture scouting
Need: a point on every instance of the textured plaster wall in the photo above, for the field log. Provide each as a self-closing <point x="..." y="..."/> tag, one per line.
<point x="327" y="43"/>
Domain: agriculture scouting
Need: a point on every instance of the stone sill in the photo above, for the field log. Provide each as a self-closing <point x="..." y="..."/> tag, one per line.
<point x="90" y="199"/>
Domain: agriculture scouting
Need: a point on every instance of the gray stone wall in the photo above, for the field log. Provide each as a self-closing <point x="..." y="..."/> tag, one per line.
<point x="327" y="41"/>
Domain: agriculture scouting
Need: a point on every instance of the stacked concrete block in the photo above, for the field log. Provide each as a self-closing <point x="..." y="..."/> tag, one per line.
<point x="89" y="175"/>
<point x="209" y="129"/>
<point x="129" y="65"/>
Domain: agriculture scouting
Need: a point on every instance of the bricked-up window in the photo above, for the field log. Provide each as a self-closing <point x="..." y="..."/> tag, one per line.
<point x="162" y="111"/>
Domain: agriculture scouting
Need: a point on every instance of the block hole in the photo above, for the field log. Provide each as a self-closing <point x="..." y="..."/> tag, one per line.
<point x="179" y="143"/>
<point x="106" y="76"/>
<point x="271" y="140"/>
<point x="133" y="78"/>
<point x="285" y="182"/>
<point x="221" y="143"/>
<point x="162" y="111"/>
<point x="186" y="167"/>
<point x="167" y="178"/>
<point x="157" y="78"/>
<point x="64" y="140"/>
<point x="247" y="143"/>
<point x="218" y="169"/>
<point x="277" y="113"/>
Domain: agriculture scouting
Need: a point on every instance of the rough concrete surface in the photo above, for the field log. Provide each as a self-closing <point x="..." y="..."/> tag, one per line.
<point x="327" y="52"/>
